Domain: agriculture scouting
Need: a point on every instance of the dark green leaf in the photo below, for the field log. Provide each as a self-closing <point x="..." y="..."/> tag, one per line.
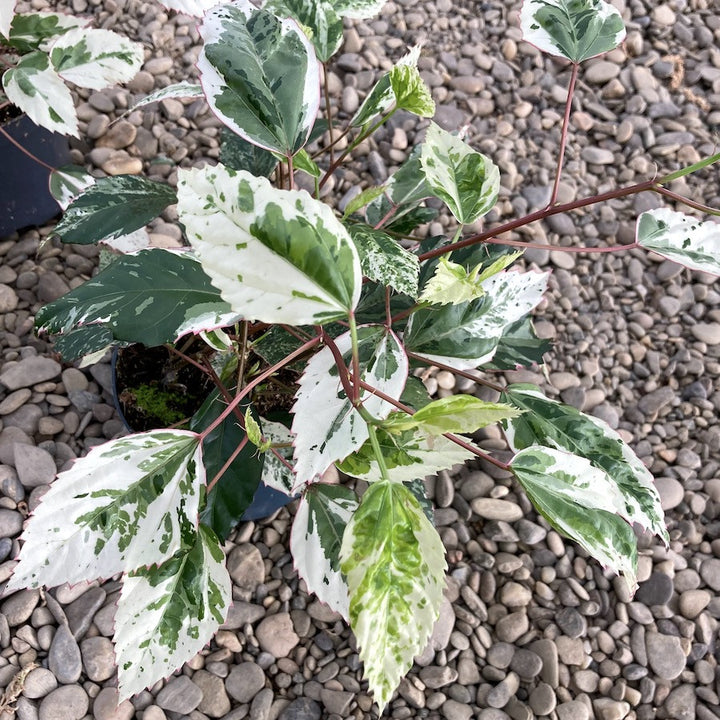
<point x="237" y="153"/>
<point x="519" y="346"/>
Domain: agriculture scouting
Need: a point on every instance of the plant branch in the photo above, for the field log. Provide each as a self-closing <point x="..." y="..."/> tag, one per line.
<point x="564" y="134"/>
<point x="186" y="358"/>
<point x="560" y="248"/>
<point x="25" y="150"/>
<point x="355" y="360"/>
<point x="461" y="373"/>
<point x="686" y="201"/>
<point x="240" y="447"/>
<point x="291" y="172"/>
<point x="343" y="370"/>
<point x="328" y="113"/>
<point x="242" y="360"/>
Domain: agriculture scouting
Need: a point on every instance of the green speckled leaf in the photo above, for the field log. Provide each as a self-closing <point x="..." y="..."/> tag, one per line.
<point x="579" y="501"/>
<point x="113" y="206"/>
<point x="152" y="297"/>
<point x="125" y="505"/>
<point x="237" y="153"/>
<point x="384" y="260"/>
<point x="36" y="30"/>
<point x="468" y="182"/>
<point x="176" y="90"/>
<point x="411" y="92"/>
<point x="361" y="9"/>
<point x="249" y="235"/>
<point x="67" y="182"/>
<point x="317" y="533"/>
<point x="681" y="238"/>
<point x="573" y="29"/>
<point x="394" y="562"/>
<point x="167" y="614"/>
<point x="260" y="75"/>
<point x="549" y="423"/>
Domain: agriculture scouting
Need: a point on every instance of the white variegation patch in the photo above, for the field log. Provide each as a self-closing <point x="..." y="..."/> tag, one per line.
<point x="198" y="320"/>
<point x="123" y="506"/>
<point x="275" y="473"/>
<point x="95" y="58"/>
<point x="681" y="238"/>
<point x="66" y="183"/>
<point x="360" y="9"/>
<point x="241" y="228"/>
<point x="7" y="10"/>
<point x="40" y="92"/>
<point x="167" y="614"/>
<point x="177" y="90"/>
<point x="315" y="543"/>
<point x="196" y="8"/>
<point x="326" y="425"/>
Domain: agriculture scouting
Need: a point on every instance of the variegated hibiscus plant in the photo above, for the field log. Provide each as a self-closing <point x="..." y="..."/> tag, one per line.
<point x="341" y="310"/>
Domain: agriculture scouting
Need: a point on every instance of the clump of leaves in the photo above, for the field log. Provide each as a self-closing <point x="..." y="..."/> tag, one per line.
<point x="275" y="279"/>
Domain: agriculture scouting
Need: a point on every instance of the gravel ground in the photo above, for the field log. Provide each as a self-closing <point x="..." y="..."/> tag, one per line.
<point x="531" y="628"/>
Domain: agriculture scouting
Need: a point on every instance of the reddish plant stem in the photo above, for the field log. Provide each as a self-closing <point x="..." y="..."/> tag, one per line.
<point x="387" y="216"/>
<point x="187" y="358"/>
<point x="388" y="314"/>
<point x="540" y="215"/>
<point x="453" y="438"/>
<point x="297" y="334"/>
<point x="343" y="370"/>
<point x="50" y="168"/>
<point x="461" y="373"/>
<point x="558" y="248"/>
<point x="260" y="378"/>
<point x="228" y="463"/>
<point x="685" y="201"/>
<point x="291" y="172"/>
<point x="328" y="113"/>
<point x="564" y="134"/>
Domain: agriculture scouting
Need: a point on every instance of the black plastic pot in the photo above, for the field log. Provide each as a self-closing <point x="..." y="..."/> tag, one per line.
<point x="25" y="197"/>
<point x="266" y="500"/>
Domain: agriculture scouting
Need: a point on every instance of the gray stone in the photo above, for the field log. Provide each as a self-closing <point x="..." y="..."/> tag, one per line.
<point x="443" y="627"/>
<point x="66" y="703"/>
<point x="436" y="676"/>
<point x="80" y="612"/>
<point x="512" y="626"/>
<point x="608" y="709"/>
<point x="38" y="683"/>
<point x="671" y="492"/>
<point x="710" y="573"/>
<point x="215" y="702"/>
<point x="653" y="402"/>
<point x="454" y="710"/>
<point x="11" y="523"/>
<point x="30" y="371"/>
<point x="18" y="607"/>
<point x="336" y="701"/>
<point x="693" y="602"/>
<point x="302" y="708"/>
<point x="246" y="566"/>
<point x="105" y="706"/>
<point x="526" y="663"/>
<point x="681" y="703"/>
<point x="261" y="704"/>
<point x="656" y="590"/>
<point x="14" y="401"/>
<point x="34" y="465"/>
<point x="242" y="613"/>
<point x="180" y="695"/>
<point x="542" y="699"/>
<point x="98" y="658"/>
<point x="709" y="333"/>
<point x="571" y="622"/>
<point x="277" y="635"/>
<point x="64" y="658"/>
<point x="665" y="655"/>
<point x="8" y="299"/>
<point x="572" y="710"/>
<point x="500" y="655"/>
<point x="597" y="156"/>
<point x="492" y="509"/>
<point x="548" y="653"/>
<point x="245" y="681"/>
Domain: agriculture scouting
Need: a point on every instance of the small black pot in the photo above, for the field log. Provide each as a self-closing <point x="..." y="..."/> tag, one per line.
<point x="25" y="197"/>
<point x="266" y="500"/>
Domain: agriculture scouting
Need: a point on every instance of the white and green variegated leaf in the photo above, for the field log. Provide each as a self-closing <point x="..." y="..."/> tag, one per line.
<point x="408" y="456"/>
<point x="452" y="283"/>
<point x="322" y="515"/>
<point x="7" y="11"/>
<point x="382" y="97"/>
<point x="95" y="58"/>
<point x="467" y="181"/>
<point x="35" y="87"/>
<point x="394" y="562"/>
<point x="260" y="76"/>
<point x="573" y="29"/>
<point x="303" y="161"/>
<point x="360" y="9"/>
<point x="276" y="473"/>
<point x="453" y="414"/>
<point x="580" y="501"/>
<point x="249" y="234"/>
<point x="177" y="90"/>
<point x="318" y="18"/>
<point x="126" y="504"/>
<point x="385" y="261"/>
<point x="167" y="614"/>
<point x="466" y="335"/>
<point x="549" y="423"/>
<point x="113" y="206"/>
<point x="326" y="425"/>
<point x="410" y="91"/>
<point x="37" y="30"/>
<point x="67" y="182"/>
<point x="196" y="8"/>
<point x="681" y="238"/>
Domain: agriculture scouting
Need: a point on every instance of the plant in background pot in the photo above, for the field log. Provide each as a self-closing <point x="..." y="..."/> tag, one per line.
<point x="327" y="315"/>
<point x="40" y="53"/>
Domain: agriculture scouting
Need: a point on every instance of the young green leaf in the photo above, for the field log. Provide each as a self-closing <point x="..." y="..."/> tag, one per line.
<point x="153" y="297"/>
<point x="93" y="58"/>
<point x="361" y="200"/>
<point x="467" y="181"/>
<point x="277" y="473"/>
<point x="322" y="515"/>
<point x="126" y="504"/>
<point x="549" y="423"/>
<point x="326" y="425"/>
<point x="37" y="30"/>
<point x="260" y="75"/>
<point x="167" y="614"/>
<point x="411" y="92"/>
<point x="453" y="414"/>
<point x="466" y="336"/>
<point x="303" y="161"/>
<point x="394" y="562"/>
<point x="318" y="18"/>
<point x="248" y="234"/>
<point x="580" y="501"/>
<point x="67" y="182"/>
<point x="408" y="456"/>
<point x="35" y="87"/>
<point x="573" y="29"/>
<point x="113" y="206"/>
<point x="254" y="433"/>
<point x="384" y="260"/>
<point x="681" y="238"/>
